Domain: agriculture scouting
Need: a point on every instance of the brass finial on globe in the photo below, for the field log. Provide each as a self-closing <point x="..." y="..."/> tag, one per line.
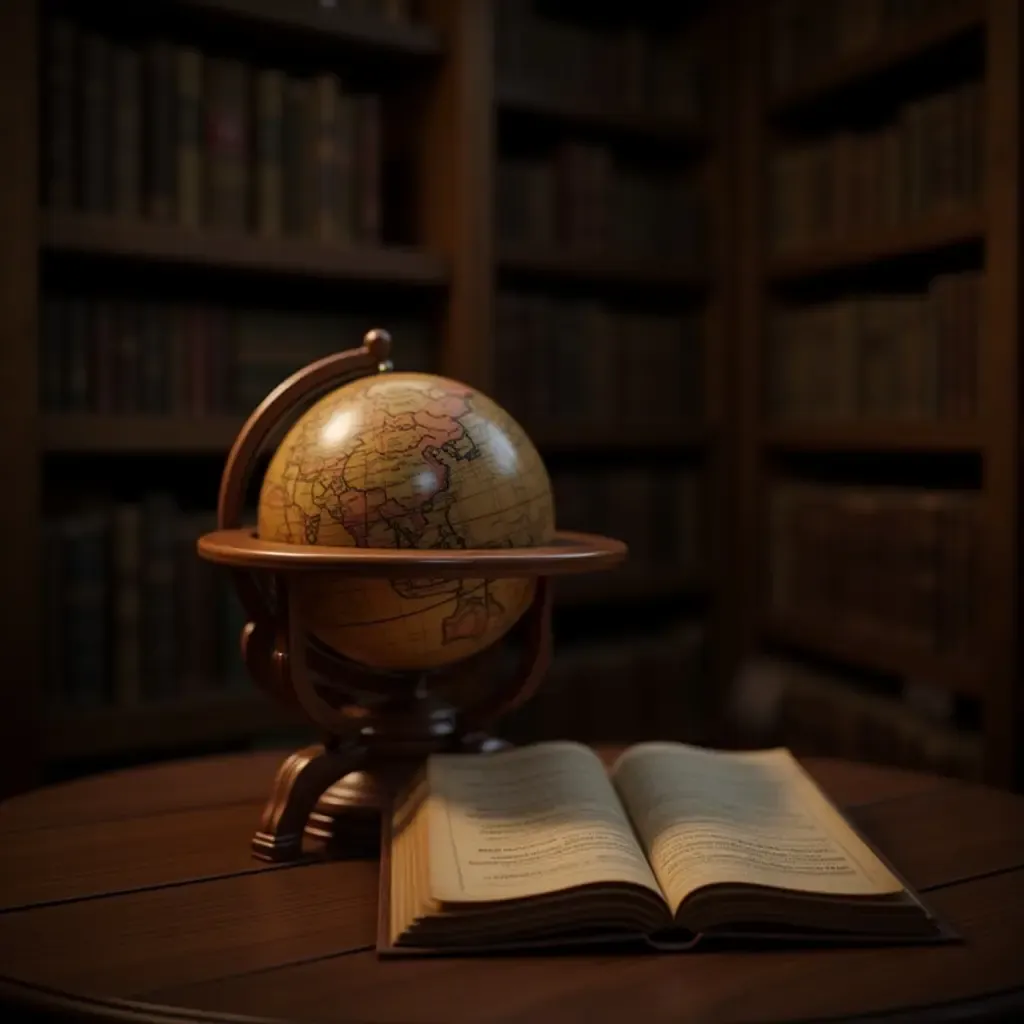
<point x="405" y="527"/>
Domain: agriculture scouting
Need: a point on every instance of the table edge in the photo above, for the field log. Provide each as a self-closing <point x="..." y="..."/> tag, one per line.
<point x="16" y="993"/>
<point x="25" y="995"/>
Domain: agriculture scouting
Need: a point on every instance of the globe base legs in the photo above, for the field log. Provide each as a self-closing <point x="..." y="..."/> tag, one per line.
<point x="347" y="818"/>
<point x="334" y="795"/>
<point x="301" y="781"/>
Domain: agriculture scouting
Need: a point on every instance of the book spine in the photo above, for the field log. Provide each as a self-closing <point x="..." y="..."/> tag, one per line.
<point x="189" y="136"/>
<point x="226" y="144"/>
<point x="158" y="623"/>
<point x="160" y="128"/>
<point x="60" y="171"/>
<point x="367" y="169"/>
<point x="78" y="385"/>
<point x="297" y="197"/>
<point x="127" y="133"/>
<point x="345" y="164"/>
<point x="103" y="355"/>
<point x="127" y="566"/>
<point x="95" y="115"/>
<point x="269" y="147"/>
<point x="85" y="625"/>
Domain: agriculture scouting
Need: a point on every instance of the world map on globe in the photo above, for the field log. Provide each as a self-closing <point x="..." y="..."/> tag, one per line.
<point x="407" y="460"/>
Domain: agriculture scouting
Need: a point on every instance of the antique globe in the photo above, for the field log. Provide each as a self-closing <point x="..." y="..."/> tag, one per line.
<point x="417" y="461"/>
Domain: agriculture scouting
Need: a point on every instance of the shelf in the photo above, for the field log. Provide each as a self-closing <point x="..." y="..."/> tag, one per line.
<point x="868" y="650"/>
<point x="953" y="229"/>
<point x="873" y="436"/>
<point x="571" y="266"/>
<point x="896" y="49"/>
<point x="125" y="434"/>
<point x="228" y="718"/>
<point x="629" y="588"/>
<point x="292" y="257"/>
<point x="514" y="98"/>
<point x="321" y="24"/>
<point x="591" y="438"/>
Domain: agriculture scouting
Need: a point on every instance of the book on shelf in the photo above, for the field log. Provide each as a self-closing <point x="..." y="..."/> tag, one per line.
<point x="163" y="131"/>
<point x="656" y="510"/>
<point x="580" y="363"/>
<point x="582" y="199"/>
<point x="924" y="163"/>
<point x="114" y="356"/>
<point x="621" y="69"/>
<point x="543" y="846"/>
<point x="887" y="356"/>
<point x="132" y="615"/>
<point x="899" y="565"/>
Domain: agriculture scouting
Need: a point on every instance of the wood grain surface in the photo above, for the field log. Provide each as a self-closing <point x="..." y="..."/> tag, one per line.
<point x="132" y="896"/>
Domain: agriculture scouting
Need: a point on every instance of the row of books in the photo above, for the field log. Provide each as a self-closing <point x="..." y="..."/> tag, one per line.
<point x="806" y="37"/>
<point x="172" y="134"/>
<point x="582" y="363"/>
<point x="115" y="356"/>
<point x="132" y="614"/>
<point x="579" y="199"/>
<point x="624" y="69"/>
<point x="653" y="686"/>
<point x="830" y="714"/>
<point x="929" y="159"/>
<point x="658" y="511"/>
<point x="896" y="565"/>
<point x="882" y="356"/>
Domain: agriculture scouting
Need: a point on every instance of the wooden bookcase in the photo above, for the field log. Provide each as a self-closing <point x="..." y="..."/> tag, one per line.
<point x="453" y="273"/>
<point x="447" y="48"/>
<point x="984" y="38"/>
<point x="543" y="118"/>
<point x="453" y="126"/>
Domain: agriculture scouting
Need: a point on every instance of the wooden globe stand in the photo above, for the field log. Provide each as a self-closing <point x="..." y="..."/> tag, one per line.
<point x="378" y="726"/>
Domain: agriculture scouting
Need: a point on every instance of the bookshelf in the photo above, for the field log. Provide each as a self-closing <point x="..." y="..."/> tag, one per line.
<point x="70" y="433"/>
<point x="542" y="265"/>
<point x="432" y="263"/>
<point x="430" y="257"/>
<point x="555" y="439"/>
<point x="162" y="245"/>
<point x="920" y="471"/>
<point x="933" y="236"/>
<point x="903" y="45"/>
<point x="885" y="436"/>
<point x="610" y="221"/>
<point x="358" y="30"/>
<point x="701" y="304"/>
<point x="515" y="100"/>
<point x="874" y="650"/>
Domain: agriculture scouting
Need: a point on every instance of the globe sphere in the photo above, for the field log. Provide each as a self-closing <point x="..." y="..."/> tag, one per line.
<point x="407" y="460"/>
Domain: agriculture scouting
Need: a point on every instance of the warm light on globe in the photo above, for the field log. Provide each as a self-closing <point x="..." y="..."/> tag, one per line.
<point x="407" y="460"/>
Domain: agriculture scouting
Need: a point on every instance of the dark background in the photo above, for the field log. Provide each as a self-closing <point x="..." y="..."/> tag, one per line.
<point x="747" y="275"/>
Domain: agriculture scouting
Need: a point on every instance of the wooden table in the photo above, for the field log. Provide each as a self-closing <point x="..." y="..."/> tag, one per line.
<point x="133" y="896"/>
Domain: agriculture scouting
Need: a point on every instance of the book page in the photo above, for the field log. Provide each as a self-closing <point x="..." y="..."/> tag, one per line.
<point x="524" y="822"/>
<point x="756" y="817"/>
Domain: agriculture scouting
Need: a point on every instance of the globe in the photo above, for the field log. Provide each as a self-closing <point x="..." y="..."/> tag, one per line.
<point x="407" y="460"/>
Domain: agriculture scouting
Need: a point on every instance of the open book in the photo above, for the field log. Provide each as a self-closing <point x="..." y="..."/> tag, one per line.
<point x="542" y="845"/>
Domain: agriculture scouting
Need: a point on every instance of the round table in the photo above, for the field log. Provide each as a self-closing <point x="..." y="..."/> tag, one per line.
<point x="133" y="896"/>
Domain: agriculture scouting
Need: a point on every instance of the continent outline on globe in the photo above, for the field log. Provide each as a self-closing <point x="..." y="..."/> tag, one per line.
<point x="415" y="461"/>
